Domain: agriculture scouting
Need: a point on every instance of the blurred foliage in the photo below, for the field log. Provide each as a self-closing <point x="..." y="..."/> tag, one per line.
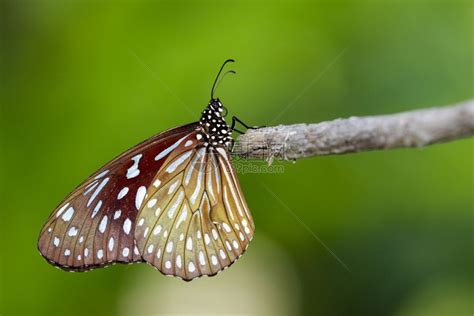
<point x="82" y="81"/>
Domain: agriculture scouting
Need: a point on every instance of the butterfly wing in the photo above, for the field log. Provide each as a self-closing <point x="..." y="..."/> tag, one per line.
<point x="94" y="225"/>
<point x="195" y="220"/>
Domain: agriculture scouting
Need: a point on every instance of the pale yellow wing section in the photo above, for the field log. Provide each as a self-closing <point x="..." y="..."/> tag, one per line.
<point x="195" y="220"/>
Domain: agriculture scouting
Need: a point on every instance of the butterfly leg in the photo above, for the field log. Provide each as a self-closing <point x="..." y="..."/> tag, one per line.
<point x="235" y="120"/>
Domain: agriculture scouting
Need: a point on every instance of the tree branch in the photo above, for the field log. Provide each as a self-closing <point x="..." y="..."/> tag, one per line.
<point x="407" y="129"/>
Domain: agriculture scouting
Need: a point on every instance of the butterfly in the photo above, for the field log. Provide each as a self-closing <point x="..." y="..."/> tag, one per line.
<point x="172" y="201"/>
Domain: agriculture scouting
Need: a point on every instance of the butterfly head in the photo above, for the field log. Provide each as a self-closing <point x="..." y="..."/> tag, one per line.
<point x="213" y="126"/>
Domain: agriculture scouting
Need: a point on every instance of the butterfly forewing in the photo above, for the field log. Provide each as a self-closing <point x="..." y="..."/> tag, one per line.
<point x="195" y="221"/>
<point x="95" y="224"/>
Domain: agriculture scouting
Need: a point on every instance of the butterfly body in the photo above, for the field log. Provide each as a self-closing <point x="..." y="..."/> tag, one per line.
<point x="172" y="201"/>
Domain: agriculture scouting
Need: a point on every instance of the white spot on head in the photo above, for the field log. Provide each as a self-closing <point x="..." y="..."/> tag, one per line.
<point x="72" y="231"/>
<point x="56" y="241"/>
<point x="122" y="193"/>
<point x="191" y="267"/>
<point x="127" y="225"/>
<point x="140" y="196"/>
<point x="125" y="252"/>
<point x="117" y="214"/>
<point x="68" y="215"/>
<point x="103" y="224"/>
<point x="100" y="254"/>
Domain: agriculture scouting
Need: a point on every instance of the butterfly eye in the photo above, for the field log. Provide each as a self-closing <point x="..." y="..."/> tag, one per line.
<point x="224" y="111"/>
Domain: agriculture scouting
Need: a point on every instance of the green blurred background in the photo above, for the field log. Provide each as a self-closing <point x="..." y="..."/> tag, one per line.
<point x="84" y="80"/>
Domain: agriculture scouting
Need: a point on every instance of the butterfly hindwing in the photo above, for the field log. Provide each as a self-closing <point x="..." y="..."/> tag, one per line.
<point x="195" y="220"/>
<point x="95" y="224"/>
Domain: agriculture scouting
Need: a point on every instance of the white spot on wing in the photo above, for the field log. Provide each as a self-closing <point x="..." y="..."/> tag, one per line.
<point x="97" y="191"/>
<point x="175" y="205"/>
<point x="182" y="217"/>
<point x="140" y="196"/>
<point x="72" y="231"/>
<point x="175" y="164"/>
<point x="122" y="193"/>
<point x="151" y="203"/>
<point x="127" y="225"/>
<point x="111" y="243"/>
<point x="191" y="267"/>
<point x="96" y="208"/>
<point x="202" y="261"/>
<point x="68" y="215"/>
<point x="100" y="175"/>
<point x="189" y="243"/>
<point x="169" y="247"/>
<point x="169" y="149"/>
<point x="103" y="224"/>
<point x="133" y="171"/>
<point x="117" y="214"/>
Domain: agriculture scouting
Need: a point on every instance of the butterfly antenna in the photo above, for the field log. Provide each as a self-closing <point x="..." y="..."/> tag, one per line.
<point x="218" y="74"/>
